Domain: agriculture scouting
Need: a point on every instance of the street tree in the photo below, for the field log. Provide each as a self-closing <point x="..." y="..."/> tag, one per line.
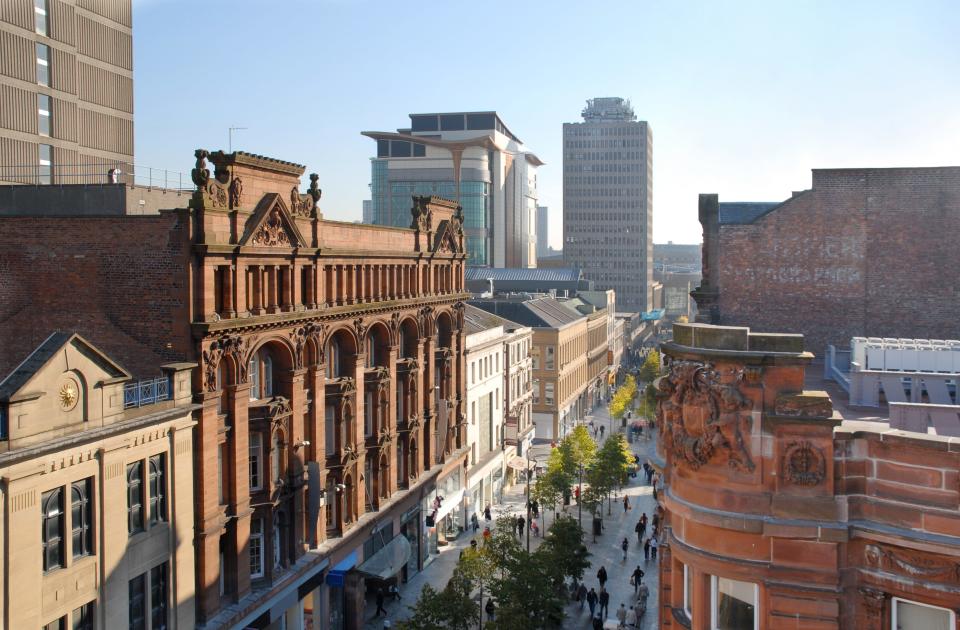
<point x="549" y="490"/>
<point x="479" y="566"/>
<point x="650" y="369"/>
<point x="564" y="548"/>
<point x="453" y="607"/>
<point x="529" y="593"/>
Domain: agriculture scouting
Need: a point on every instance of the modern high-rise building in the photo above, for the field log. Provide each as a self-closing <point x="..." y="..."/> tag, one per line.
<point x="66" y="90"/>
<point x="608" y="200"/>
<point x="543" y="231"/>
<point x="471" y="157"/>
<point x="367" y="211"/>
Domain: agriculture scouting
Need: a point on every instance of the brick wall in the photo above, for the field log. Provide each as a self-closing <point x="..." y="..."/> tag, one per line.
<point x="864" y="252"/>
<point x="122" y="283"/>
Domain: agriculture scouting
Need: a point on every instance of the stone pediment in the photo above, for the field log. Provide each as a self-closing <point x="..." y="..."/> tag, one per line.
<point x="271" y="225"/>
<point x="446" y="240"/>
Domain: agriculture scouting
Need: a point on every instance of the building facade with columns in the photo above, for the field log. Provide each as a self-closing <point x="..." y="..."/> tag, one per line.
<point x="331" y="381"/>
<point x="96" y="488"/>
<point x="779" y="511"/>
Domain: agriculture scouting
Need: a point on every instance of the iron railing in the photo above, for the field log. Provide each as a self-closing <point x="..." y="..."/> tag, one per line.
<point x="96" y="173"/>
<point x="147" y="392"/>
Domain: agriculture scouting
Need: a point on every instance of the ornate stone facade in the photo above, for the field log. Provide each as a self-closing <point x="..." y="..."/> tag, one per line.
<point x="802" y="519"/>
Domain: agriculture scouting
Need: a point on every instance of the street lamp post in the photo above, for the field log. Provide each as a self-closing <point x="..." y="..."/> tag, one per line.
<point x="528" y="501"/>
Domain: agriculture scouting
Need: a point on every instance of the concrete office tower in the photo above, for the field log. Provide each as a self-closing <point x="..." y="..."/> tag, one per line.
<point x="367" y="211"/>
<point x="471" y="157"/>
<point x="608" y="200"/>
<point x="543" y="231"/>
<point x="66" y="90"/>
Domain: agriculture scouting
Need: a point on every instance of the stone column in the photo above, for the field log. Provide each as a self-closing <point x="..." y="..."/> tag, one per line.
<point x="237" y="484"/>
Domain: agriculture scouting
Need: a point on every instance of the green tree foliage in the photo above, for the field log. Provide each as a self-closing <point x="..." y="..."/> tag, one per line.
<point x="580" y="450"/>
<point x="530" y="594"/>
<point x="650" y="369"/>
<point x="564" y="548"/>
<point x="453" y="607"/>
<point x="623" y="398"/>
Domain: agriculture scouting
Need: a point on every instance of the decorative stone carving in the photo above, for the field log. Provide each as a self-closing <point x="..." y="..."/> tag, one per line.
<point x="458" y="310"/>
<point x="272" y="232"/>
<point x="910" y="563"/>
<point x="394" y="326"/>
<point x="804" y="464"/>
<point x="422" y="216"/>
<point x="873" y="604"/>
<point x="201" y="174"/>
<point x="457" y="221"/>
<point x="701" y="416"/>
<point x="361" y="328"/>
<point x="426" y="321"/>
<point x="231" y="345"/>
<point x="314" y="190"/>
<point x="805" y="405"/>
<point x="314" y="332"/>
<point x="236" y="192"/>
<point x="216" y="194"/>
<point x="300" y="206"/>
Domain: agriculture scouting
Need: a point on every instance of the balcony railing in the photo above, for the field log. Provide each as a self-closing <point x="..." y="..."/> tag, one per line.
<point x="148" y="392"/>
<point x="97" y="173"/>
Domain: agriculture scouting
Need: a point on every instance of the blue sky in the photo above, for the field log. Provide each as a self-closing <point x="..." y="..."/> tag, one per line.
<point x="743" y="98"/>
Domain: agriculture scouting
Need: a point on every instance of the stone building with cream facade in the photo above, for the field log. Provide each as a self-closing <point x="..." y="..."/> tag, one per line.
<point x="96" y="488"/>
<point x="330" y="384"/>
<point x="779" y="511"/>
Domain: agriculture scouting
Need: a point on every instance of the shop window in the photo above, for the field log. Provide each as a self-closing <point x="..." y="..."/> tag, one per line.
<point x="909" y="615"/>
<point x="734" y="605"/>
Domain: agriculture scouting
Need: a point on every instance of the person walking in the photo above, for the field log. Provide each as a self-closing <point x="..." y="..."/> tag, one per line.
<point x="622" y="616"/>
<point x="602" y="429"/>
<point x="486" y="512"/>
<point x="604" y="601"/>
<point x="602" y="576"/>
<point x="380" y="608"/>
<point x="592" y="600"/>
<point x="475" y="522"/>
<point x="491" y="610"/>
<point x="653" y="548"/>
<point x="520" y="523"/>
<point x="636" y="578"/>
<point x="624" y="546"/>
<point x="646" y="550"/>
<point x="581" y="595"/>
<point x="535" y="508"/>
<point x="643" y="524"/>
<point x="597" y="622"/>
<point x="486" y="534"/>
<point x="639" y="529"/>
<point x="626" y="503"/>
<point x="644" y="594"/>
<point x="631" y="620"/>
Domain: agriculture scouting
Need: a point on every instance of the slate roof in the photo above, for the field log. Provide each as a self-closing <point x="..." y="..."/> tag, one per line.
<point x="544" y="312"/>
<point x="739" y="212"/>
<point x="523" y="273"/>
<point x="478" y="320"/>
<point x="44" y="352"/>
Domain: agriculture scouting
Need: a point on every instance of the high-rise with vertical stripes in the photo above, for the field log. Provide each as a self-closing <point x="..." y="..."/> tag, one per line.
<point x="608" y="201"/>
<point x="66" y="90"/>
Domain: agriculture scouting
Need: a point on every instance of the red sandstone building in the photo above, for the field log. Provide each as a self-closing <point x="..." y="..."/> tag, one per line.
<point x="865" y="252"/>
<point x="331" y="370"/>
<point x="781" y="513"/>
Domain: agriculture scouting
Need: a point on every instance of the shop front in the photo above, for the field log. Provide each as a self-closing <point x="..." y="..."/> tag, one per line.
<point x="444" y="519"/>
<point x="410" y="528"/>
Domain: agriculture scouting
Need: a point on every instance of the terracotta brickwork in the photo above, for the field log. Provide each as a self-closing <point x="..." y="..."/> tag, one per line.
<point x="821" y="523"/>
<point x="331" y="369"/>
<point x="862" y="253"/>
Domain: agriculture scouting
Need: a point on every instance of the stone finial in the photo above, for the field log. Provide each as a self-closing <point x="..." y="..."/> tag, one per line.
<point x="314" y="190"/>
<point x="200" y="173"/>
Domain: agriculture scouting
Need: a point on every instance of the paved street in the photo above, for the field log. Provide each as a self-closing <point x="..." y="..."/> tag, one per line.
<point x="605" y="552"/>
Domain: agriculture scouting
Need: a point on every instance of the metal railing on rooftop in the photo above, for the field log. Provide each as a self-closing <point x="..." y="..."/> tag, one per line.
<point x="96" y="173"/>
<point x="146" y="392"/>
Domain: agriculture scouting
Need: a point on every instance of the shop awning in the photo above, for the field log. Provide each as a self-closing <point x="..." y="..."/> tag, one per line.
<point x="388" y="561"/>
<point x="517" y="463"/>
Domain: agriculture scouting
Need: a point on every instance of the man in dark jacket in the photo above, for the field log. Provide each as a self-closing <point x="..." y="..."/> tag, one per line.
<point x="637" y="578"/>
<point x="604" y="601"/>
<point x="592" y="601"/>
<point x="380" y="608"/>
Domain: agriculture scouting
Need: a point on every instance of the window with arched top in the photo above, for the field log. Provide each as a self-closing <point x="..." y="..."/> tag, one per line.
<point x="371" y="348"/>
<point x="52" y="529"/>
<point x="261" y="375"/>
<point x="81" y="517"/>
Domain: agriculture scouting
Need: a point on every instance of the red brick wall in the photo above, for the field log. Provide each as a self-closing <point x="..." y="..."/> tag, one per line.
<point x="865" y="252"/>
<point x="121" y="282"/>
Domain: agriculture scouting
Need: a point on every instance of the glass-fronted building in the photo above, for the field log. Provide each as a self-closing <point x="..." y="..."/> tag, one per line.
<point x="471" y="157"/>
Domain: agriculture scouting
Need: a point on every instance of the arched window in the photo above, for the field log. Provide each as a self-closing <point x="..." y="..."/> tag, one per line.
<point x="81" y="513"/>
<point x="158" y="489"/>
<point x="267" y="374"/>
<point x="254" y="372"/>
<point x="276" y="456"/>
<point x="333" y="359"/>
<point x="371" y="351"/>
<point x="52" y="529"/>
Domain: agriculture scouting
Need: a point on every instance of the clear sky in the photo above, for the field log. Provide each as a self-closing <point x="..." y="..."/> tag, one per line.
<point x="743" y="98"/>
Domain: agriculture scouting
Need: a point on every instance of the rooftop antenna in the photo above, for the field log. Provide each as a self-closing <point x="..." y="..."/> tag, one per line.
<point x="230" y="131"/>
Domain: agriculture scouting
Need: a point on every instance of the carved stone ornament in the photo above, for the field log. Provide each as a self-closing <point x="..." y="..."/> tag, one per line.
<point x="361" y="328"/>
<point x="804" y="464"/>
<point x="300" y="205"/>
<point x="457" y="221"/>
<point x="426" y="321"/>
<point x="701" y="417"/>
<point x="314" y="190"/>
<point x="201" y="174"/>
<point x="69" y="395"/>
<point x="216" y="194"/>
<point x="272" y="232"/>
<point x="459" y="309"/>
<point x="230" y="345"/>
<point x="422" y="215"/>
<point x="912" y="564"/>
<point x="236" y="192"/>
<point x="313" y="332"/>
